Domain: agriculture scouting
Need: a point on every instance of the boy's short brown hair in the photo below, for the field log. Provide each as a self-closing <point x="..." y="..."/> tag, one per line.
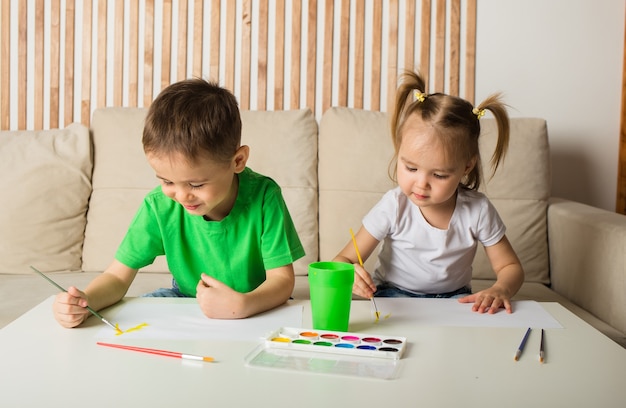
<point x="194" y="118"/>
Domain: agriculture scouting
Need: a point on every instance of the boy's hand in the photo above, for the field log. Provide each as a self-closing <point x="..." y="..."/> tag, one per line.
<point x="69" y="307"/>
<point x="363" y="284"/>
<point x="488" y="301"/>
<point x="218" y="301"/>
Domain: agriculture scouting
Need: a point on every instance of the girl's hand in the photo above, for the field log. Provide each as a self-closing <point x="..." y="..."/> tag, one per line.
<point x="69" y="307"/>
<point x="363" y="284"/>
<point x="366" y="243"/>
<point x="218" y="301"/>
<point x="489" y="301"/>
<point x="509" y="278"/>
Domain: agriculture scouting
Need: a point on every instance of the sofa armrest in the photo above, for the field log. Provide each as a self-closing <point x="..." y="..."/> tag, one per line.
<point x="587" y="247"/>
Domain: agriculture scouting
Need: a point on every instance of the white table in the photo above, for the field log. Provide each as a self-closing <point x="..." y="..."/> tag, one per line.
<point x="45" y="365"/>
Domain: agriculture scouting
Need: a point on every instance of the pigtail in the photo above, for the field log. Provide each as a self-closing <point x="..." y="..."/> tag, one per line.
<point x="494" y="104"/>
<point x="410" y="83"/>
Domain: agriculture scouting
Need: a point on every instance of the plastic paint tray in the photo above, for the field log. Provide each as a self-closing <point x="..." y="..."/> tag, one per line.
<point x="351" y="344"/>
<point x="329" y="352"/>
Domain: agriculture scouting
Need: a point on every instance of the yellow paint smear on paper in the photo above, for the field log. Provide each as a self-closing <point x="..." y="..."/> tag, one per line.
<point x="384" y="317"/>
<point x="132" y="329"/>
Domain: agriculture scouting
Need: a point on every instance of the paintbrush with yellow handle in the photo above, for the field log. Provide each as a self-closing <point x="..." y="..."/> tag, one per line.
<point x="358" y="254"/>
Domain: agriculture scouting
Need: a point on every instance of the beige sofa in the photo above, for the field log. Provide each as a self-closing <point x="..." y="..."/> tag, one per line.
<point x="69" y="194"/>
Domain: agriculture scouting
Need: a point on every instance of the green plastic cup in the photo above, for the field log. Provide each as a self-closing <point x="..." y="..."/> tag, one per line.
<point x="330" y="285"/>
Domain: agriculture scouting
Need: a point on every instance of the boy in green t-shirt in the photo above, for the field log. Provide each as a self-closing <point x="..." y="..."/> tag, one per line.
<point x="225" y="230"/>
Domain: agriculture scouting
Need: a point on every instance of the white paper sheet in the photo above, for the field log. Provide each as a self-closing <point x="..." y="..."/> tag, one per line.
<point x="449" y="312"/>
<point x="187" y="322"/>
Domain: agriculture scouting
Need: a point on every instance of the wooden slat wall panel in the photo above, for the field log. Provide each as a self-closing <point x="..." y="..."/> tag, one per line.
<point x="133" y="54"/>
<point x="327" y="67"/>
<point x="198" y="32"/>
<point x="392" y="53"/>
<point x="455" y="47"/>
<point x="377" y="28"/>
<point x="181" y="70"/>
<point x="85" y="94"/>
<point x="279" y="56"/>
<point x="470" y="51"/>
<point x="359" y="53"/>
<point x="262" y="52"/>
<point x="39" y="58"/>
<point x="344" y="53"/>
<point x="21" y="65"/>
<point x="101" y="77"/>
<point x="148" y="53"/>
<point x="231" y="16"/>
<point x="166" y="45"/>
<point x="246" y="57"/>
<point x="273" y="54"/>
<point x="5" y="76"/>
<point x="311" y="55"/>
<point x="216" y="31"/>
<point x="440" y="45"/>
<point x="55" y="61"/>
<point x="409" y="36"/>
<point x="296" y="53"/>
<point x="118" y="54"/>
<point x="68" y="101"/>
<point x="620" y="200"/>
<point x="425" y="40"/>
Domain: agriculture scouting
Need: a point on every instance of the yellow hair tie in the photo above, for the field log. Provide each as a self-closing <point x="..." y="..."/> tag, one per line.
<point x="419" y="96"/>
<point x="478" y="112"/>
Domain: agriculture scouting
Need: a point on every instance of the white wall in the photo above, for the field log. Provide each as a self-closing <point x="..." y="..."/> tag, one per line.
<point x="561" y="60"/>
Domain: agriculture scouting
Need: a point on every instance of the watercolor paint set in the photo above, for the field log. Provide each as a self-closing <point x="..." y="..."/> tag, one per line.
<point x="322" y="341"/>
<point x="329" y="352"/>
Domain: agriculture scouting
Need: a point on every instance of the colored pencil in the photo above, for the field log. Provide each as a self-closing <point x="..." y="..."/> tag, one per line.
<point x="93" y="312"/>
<point x="158" y="352"/>
<point x="541" y="349"/>
<point x="358" y="255"/>
<point x="518" y="353"/>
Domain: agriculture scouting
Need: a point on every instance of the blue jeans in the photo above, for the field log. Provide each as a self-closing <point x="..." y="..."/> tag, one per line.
<point x="174" y="291"/>
<point x="387" y="290"/>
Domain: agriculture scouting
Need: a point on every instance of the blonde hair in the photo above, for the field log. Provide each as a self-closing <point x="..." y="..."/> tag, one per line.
<point x="456" y="123"/>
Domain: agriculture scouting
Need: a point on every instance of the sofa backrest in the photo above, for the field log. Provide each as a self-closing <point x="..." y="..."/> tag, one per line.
<point x="354" y="154"/>
<point x="121" y="178"/>
<point x="346" y="166"/>
<point x="283" y="146"/>
<point x="46" y="179"/>
<point x="520" y="190"/>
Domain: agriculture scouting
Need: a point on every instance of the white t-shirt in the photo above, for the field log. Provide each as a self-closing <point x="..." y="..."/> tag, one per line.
<point x="420" y="258"/>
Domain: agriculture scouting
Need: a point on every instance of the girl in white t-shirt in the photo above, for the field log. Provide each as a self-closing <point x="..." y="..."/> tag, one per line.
<point x="432" y="222"/>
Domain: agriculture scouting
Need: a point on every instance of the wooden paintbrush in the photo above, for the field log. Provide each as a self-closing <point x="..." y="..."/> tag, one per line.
<point x="93" y="312"/>
<point x="358" y="254"/>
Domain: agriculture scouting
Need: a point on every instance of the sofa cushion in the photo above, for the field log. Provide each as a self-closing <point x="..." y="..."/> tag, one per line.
<point x="283" y="146"/>
<point x="519" y="190"/>
<point x="121" y="179"/>
<point x="355" y="150"/>
<point x="122" y="176"/>
<point x="48" y="176"/>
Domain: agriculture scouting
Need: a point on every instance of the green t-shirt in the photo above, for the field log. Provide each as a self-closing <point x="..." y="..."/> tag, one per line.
<point x="257" y="235"/>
